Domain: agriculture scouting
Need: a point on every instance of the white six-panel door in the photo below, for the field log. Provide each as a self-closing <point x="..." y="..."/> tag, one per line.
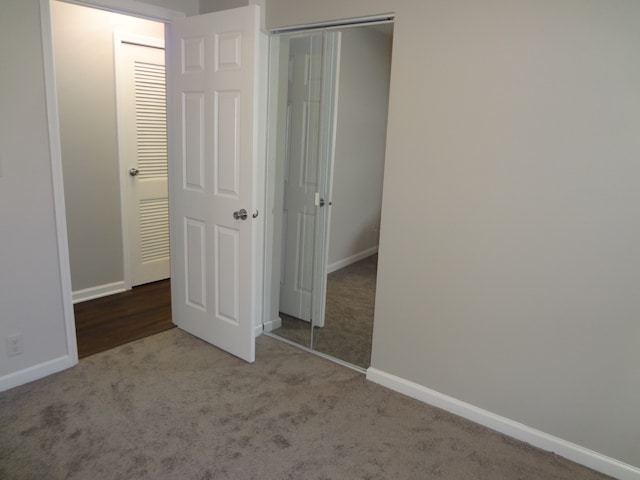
<point x="301" y="180"/>
<point x="213" y="163"/>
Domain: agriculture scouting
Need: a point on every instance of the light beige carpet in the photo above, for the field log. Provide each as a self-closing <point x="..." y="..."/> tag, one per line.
<point x="173" y="407"/>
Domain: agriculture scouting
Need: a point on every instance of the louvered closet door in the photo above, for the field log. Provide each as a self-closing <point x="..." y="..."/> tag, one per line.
<point x="144" y="159"/>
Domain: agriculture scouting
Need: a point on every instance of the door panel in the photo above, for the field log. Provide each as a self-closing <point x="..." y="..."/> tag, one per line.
<point x="195" y="255"/>
<point x="213" y="174"/>
<point x="142" y="138"/>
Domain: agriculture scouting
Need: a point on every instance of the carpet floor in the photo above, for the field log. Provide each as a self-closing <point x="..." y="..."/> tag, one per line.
<point x="173" y="407"/>
<point x="348" y="328"/>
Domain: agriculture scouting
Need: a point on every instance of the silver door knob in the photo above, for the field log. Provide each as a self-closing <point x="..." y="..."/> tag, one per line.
<point x="240" y="214"/>
<point x="133" y="172"/>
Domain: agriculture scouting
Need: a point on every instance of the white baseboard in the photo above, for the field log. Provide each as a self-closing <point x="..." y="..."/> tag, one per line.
<point x="99" y="291"/>
<point x="271" y="325"/>
<point x="37" y="372"/>
<point x="537" y="438"/>
<point x="345" y="262"/>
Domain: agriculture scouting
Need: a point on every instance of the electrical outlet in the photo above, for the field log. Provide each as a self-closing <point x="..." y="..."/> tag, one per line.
<point x="14" y="345"/>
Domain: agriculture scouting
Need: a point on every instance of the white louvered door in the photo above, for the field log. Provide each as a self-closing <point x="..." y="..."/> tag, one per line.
<point x="142" y="135"/>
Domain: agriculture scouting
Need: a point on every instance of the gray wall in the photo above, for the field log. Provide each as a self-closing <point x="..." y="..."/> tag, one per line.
<point x="85" y="77"/>
<point x="360" y="142"/>
<point x="513" y="139"/>
<point x="30" y="278"/>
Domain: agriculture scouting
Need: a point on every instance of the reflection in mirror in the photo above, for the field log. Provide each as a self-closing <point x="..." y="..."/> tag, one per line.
<point x="328" y="112"/>
<point x="302" y="175"/>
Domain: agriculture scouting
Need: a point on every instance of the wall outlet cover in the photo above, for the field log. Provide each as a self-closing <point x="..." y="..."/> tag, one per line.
<point x="14" y="345"/>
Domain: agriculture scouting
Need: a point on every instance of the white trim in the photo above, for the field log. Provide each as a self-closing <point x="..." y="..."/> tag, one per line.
<point x="345" y="262"/>
<point x="99" y="291"/>
<point x="271" y="325"/>
<point x="269" y="287"/>
<point x="120" y="37"/>
<point x="57" y="184"/>
<point x="537" y="438"/>
<point x="260" y="174"/>
<point x="262" y="4"/>
<point x="132" y="8"/>
<point x="37" y="372"/>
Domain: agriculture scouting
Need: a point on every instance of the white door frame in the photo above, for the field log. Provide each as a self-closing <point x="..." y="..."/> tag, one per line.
<point x="126" y="7"/>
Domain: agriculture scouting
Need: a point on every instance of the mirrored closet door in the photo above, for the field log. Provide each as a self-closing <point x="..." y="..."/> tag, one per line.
<point x="328" y="100"/>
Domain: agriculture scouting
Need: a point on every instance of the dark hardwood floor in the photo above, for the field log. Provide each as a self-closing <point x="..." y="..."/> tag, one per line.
<point x="114" y="320"/>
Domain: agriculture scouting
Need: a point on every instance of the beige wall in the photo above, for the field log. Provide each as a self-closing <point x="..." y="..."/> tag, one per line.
<point x="85" y="78"/>
<point x="208" y="6"/>
<point x="508" y="274"/>
<point x="188" y="7"/>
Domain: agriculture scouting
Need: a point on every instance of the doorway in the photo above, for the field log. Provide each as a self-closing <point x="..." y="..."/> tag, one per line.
<point x="328" y="103"/>
<point x="238" y="43"/>
<point x="95" y="131"/>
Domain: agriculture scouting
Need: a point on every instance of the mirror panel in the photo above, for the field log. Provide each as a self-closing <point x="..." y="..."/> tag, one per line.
<point x="328" y="112"/>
